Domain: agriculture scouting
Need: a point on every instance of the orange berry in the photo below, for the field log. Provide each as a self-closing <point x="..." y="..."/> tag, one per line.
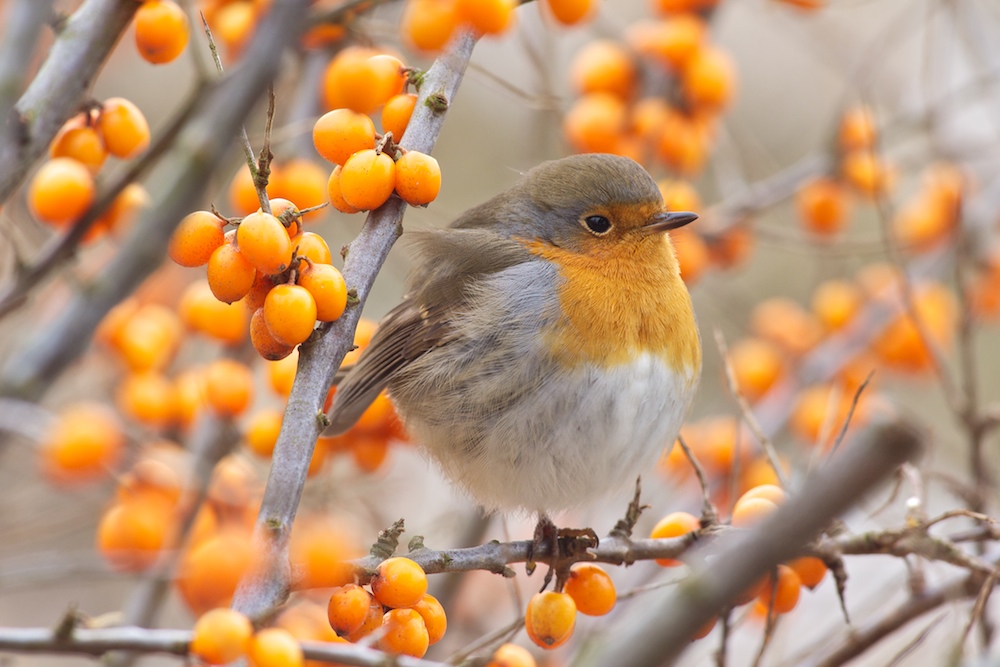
<point x="334" y="192"/>
<point x="396" y="114"/>
<point x="487" y="17"/>
<point x="348" y="609"/>
<point x="591" y="588"/>
<point x="262" y="284"/>
<point x="550" y="619"/>
<point x="202" y="312"/>
<point x="921" y="225"/>
<point x="709" y="79"/>
<point x="289" y="313"/>
<point x="303" y="182"/>
<point x="319" y="550"/>
<point x="732" y="246"/>
<point x="131" y="534"/>
<point x="512" y="655"/>
<point x="161" y="31"/>
<point x="836" y="302"/>
<point x="372" y="622"/>
<point x="149" y="339"/>
<point x="150" y="478"/>
<point x="783" y="591"/>
<point x="427" y="25"/>
<point x="787" y="324"/>
<point x="281" y="374"/>
<point x="263" y="241"/>
<point x="233" y="23"/>
<point x="123" y="126"/>
<point x="341" y="133"/>
<point x="751" y="511"/>
<point x="823" y="205"/>
<point x="676" y="6"/>
<point x="674" y="41"/>
<point x="60" y="191"/>
<point x="228" y="387"/>
<point x="262" y="431"/>
<point x="149" y="398"/>
<point x="679" y="195"/>
<point x="369" y="452"/>
<point x="684" y="142"/>
<point x="83" y="444"/>
<point x="243" y="193"/>
<point x="771" y="492"/>
<point x="868" y="173"/>
<point x="857" y="130"/>
<point x="595" y="123"/>
<point x="403" y="633"/>
<point x="361" y="80"/>
<point x="221" y="636"/>
<point x="274" y="647"/>
<point x="674" y="525"/>
<point x="196" y="238"/>
<point x="230" y="274"/>
<point x="399" y="582"/>
<point x="189" y="389"/>
<point x="418" y="178"/>
<point x="210" y="570"/>
<point x="692" y="254"/>
<point x="570" y="12"/>
<point x="328" y="289"/>
<point x="306" y="620"/>
<point x="901" y="345"/>
<point x="811" y="570"/>
<point x="757" y="365"/>
<point x="434" y="617"/>
<point x="79" y="141"/>
<point x="312" y="246"/>
<point x="603" y="66"/>
<point x="367" y="179"/>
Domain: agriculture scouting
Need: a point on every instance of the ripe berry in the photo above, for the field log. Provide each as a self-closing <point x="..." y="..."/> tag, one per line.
<point x="591" y="589"/>
<point x="274" y="647"/>
<point x="230" y="274"/>
<point x="328" y="289"/>
<point x="312" y="246"/>
<point x="84" y="443"/>
<point x="418" y="178"/>
<point x="367" y="179"/>
<point x="79" y="141"/>
<point x="334" y="192"/>
<point x="404" y="633"/>
<point x="290" y="313"/>
<point x="348" y="609"/>
<point x="674" y="525"/>
<point x="161" y="31"/>
<point x="570" y="12"/>
<point x="196" y="238"/>
<point x="427" y="25"/>
<point x="263" y="241"/>
<point x="399" y="582"/>
<point x="396" y="114"/>
<point x="123" y="127"/>
<point x="228" y="387"/>
<point x="60" y="191"/>
<point x="221" y="636"/>
<point x="341" y="133"/>
<point x="550" y="619"/>
<point x="512" y="655"/>
<point x="434" y="617"/>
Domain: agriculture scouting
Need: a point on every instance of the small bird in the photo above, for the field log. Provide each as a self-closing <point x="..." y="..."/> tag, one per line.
<point x="546" y="351"/>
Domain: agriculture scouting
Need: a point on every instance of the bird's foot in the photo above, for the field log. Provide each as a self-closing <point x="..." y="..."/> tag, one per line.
<point x="562" y="546"/>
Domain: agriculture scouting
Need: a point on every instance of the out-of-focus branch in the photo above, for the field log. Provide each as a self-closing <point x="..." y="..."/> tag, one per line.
<point x="84" y="42"/>
<point x="200" y="147"/>
<point x="319" y="358"/>
<point x="23" y="22"/>
<point x="671" y="620"/>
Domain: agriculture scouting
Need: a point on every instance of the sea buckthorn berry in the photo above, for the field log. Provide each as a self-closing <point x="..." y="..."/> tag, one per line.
<point x="150" y="478"/>
<point x="333" y="190"/>
<point x="823" y="206"/>
<point x="243" y="196"/>
<point x="60" y="191"/>
<point x="512" y="655"/>
<point x="387" y="78"/>
<point x="131" y="533"/>
<point x="784" y="591"/>
<point x="550" y="619"/>
<point x="202" y="312"/>
<point x="289" y="313"/>
<point x="709" y="79"/>
<point x="161" y="31"/>
<point x="221" y="636"/>
<point x="399" y="582"/>
<point x="228" y="387"/>
<point x="341" y="133"/>
<point x="262" y="239"/>
<point x="771" y="492"/>
<point x="857" y="130"/>
<point x="79" y="141"/>
<point x="149" y="398"/>
<point x="418" y="178"/>
<point x="603" y="66"/>
<point x="867" y="172"/>
<point x="920" y="224"/>
<point x="434" y="617"/>
<point x="313" y="247"/>
<point x="676" y="40"/>
<point x="811" y="570"/>
<point x="281" y="374"/>
<point x="901" y="345"/>
<point x="591" y="589"/>
<point x="669" y="7"/>
<point x="372" y="622"/>
<point x="189" y="390"/>
<point x="196" y="238"/>
<point x="570" y="12"/>
<point x="836" y="302"/>
<point x="684" y="142"/>
<point x="232" y="25"/>
<point x="403" y="633"/>
<point x="261" y="433"/>
<point x="303" y="182"/>
<point x="786" y="323"/>
<point x="83" y="444"/>
<point x="287" y="213"/>
<point x="757" y="365"/>
<point x="428" y="24"/>
<point x="367" y="179"/>
<point x="149" y="339"/>
<point x="123" y="127"/>
<point x="487" y="17"/>
<point x="230" y="274"/>
<point x="262" y="284"/>
<point x="752" y="511"/>
<point x="348" y="609"/>
<point x="675" y="524"/>
<point x="274" y="647"/>
<point x="396" y="114"/>
<point x="210" y="569"/>
<point x="595" y="123"/>
<point x="362" y="80"/>
<point x="328" y="289"/>
<point x="679" y="195"/>
<point x="369" y="452"/>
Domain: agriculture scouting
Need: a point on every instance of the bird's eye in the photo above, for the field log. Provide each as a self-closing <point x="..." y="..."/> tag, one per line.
<point x="597" y="225"/>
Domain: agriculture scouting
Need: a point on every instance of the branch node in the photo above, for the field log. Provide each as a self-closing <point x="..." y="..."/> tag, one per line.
<point x="388" y="541"/>
<point x="437" y="102"/>
<point x="416" y="543"/>
<point x="624" y="527"/>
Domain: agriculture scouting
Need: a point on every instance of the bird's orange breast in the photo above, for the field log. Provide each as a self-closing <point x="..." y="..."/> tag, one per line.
<point x="626" y="300"/>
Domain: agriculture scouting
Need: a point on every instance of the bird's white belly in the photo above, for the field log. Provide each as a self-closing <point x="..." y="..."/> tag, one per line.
<point x="578" y="436"/>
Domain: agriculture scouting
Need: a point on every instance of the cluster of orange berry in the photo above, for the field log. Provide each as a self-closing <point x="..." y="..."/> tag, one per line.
<point x="161" y="31"/>
<point x="223" y="635"/>
<point x="63" y="187"/>
<point x="551" y="615"/>
<point x="409" y="618"/>
<point x="778" y="592"/>
<point x="370" y="167"/>
<point x="283" y="274"/>
<point x="427" y="25"/>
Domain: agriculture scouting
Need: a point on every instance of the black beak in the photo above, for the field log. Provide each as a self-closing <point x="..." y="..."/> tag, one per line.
<point x="666" y="221"/>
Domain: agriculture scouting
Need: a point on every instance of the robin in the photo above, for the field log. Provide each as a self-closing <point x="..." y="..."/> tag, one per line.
<point x="546" y="351"/>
